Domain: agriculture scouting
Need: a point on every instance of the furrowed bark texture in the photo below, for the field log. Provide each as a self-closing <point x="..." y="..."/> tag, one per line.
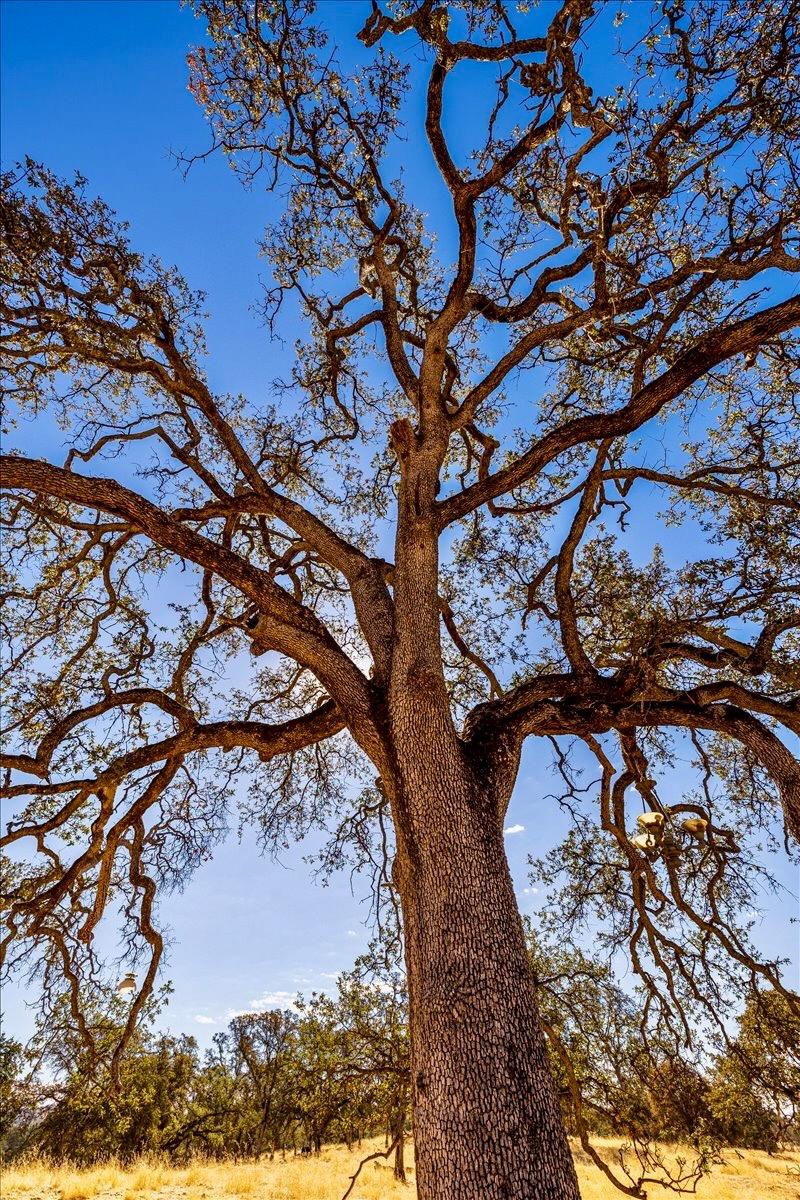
<point x="486" y="1113"/>
<point x="487" y="1118"/>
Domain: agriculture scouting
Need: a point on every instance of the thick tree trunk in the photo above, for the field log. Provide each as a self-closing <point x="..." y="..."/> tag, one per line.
<point x="487" y="1119"/>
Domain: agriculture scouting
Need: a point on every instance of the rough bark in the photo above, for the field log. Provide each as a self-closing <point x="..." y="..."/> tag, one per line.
<point x="487" y="1117"/>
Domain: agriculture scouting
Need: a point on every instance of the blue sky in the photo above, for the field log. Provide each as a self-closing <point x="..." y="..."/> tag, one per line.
<point x="100" y="86"/>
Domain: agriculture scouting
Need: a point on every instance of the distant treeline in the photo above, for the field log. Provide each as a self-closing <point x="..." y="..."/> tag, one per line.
<point x="336" y="1069"/>
<point x="329" y="1069"/>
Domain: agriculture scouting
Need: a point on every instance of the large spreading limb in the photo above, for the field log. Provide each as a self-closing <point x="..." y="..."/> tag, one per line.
<point x="291" y="628"/>
<point x="743" y="337"/>
<point x="611" y="327"/>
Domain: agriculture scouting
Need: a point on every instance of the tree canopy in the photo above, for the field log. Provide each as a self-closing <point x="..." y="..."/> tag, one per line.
<point x="533" y="473"/>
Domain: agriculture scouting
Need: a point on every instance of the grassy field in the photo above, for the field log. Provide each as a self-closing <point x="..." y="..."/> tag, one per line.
<point x="747" y="1175"/>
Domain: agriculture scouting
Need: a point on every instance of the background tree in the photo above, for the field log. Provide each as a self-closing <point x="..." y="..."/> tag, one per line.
<point x="367" y="1022"/>
<point x="413" y="538"/>
<point x="263" y="1043"/>
<point x="20" y="1098"/>
<point x="615" y="1080"/>
<point x="755" y="1088"/>
<point x="335" y="1069"/>
<point x="81" y="1116"/>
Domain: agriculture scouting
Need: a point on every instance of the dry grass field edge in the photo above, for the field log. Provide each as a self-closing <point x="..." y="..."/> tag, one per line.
<point x="744" y="1175"/>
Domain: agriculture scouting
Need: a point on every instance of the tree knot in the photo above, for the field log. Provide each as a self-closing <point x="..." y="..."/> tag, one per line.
<point x="402" y="438"/>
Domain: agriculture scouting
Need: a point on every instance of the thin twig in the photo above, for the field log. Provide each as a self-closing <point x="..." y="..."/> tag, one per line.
<point x="369" y="1158"/>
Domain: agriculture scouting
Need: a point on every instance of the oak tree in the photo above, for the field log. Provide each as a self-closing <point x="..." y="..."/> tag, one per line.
<point x="78" y="1116"/>
<point x="438" y="538"/>
<point x="617" y="1077"/>
<point x="755" y="1088"/>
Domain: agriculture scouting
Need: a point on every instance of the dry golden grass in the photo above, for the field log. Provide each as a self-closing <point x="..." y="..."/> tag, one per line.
<point x="746" y="1175"/>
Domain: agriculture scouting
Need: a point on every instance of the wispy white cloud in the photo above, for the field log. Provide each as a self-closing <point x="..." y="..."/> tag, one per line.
<point x="265" y="1002"/>
<point x="530" y="891"/>
<point x="352" y="933"/>
<point x="509" y="829"/>
<point x="273" y="1000"/>
<point x="201" y="1020"/>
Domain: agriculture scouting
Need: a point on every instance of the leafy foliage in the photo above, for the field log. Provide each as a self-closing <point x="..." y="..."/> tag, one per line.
<point x="438" y="539"/>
